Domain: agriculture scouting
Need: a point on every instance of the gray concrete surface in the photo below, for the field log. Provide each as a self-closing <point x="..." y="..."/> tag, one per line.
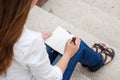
<point x="111" y="7"/>
<point x="93" y="19"/>
<point x="40" y="20"/>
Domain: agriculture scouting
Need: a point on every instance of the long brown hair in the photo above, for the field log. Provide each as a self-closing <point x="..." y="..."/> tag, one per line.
<point x="13" y="15"/>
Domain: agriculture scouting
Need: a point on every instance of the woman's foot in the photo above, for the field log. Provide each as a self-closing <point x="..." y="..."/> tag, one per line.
<point x="106" y="52"/>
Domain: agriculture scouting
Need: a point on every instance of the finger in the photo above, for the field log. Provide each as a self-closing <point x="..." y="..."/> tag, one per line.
<point x="50" y="33"/>
<point x="69" y="41"/>
<point x="47" y="33"/>
<point x="77" y="41"/>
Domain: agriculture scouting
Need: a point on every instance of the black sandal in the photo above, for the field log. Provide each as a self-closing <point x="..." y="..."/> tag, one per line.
<point x="105" y="51"/>
<point x="100" y="46"/>
<point x="96" y="46"/>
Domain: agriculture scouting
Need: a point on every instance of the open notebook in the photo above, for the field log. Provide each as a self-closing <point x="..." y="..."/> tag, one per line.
<point x="58" y="39"/>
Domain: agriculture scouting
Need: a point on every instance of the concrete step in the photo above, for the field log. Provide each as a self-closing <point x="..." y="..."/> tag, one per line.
<point x="40" y="20"/>
<point x="87" y="17"/>
<point x="111" y="7"/>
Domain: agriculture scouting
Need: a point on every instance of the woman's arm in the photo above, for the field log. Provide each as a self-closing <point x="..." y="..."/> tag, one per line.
<point x="70" y="50"/>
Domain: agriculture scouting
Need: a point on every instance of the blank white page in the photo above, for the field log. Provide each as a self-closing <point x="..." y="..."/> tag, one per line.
<point x="58" y="39"/>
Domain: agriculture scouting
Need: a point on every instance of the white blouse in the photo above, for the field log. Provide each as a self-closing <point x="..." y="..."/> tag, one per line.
<point x="30" y="61"/>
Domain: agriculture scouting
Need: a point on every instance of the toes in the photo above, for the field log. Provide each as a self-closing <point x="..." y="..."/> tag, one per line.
<point x="97" y="50"/>
<point x="108" y="58"/>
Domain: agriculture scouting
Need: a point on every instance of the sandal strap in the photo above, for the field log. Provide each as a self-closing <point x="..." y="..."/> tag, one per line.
<point x="111" y="53"/>
<point x="96" y="49"/>
<point x="104" y="51"/>
<point x="99" y="46"/>
<point x="108" y="53"/>
<point x="106" y="56"/>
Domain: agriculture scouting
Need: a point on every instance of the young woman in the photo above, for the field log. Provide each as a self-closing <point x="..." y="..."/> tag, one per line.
<point x="24" y="56"/>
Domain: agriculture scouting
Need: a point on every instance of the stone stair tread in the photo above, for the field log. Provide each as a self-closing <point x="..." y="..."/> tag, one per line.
<point x="40" y="20"/>
<point x="87" y="17"/>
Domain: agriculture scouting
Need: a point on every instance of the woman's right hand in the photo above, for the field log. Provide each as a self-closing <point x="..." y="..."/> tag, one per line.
<point x="72" y="47"/>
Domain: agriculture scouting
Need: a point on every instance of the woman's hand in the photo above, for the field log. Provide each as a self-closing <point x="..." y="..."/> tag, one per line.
<point x="72" y="46"/>
<point x="46" y="35"/>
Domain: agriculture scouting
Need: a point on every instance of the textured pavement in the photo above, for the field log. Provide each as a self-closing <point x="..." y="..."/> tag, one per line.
<point x="89" y="17"/>
<point x="40" y="20"/>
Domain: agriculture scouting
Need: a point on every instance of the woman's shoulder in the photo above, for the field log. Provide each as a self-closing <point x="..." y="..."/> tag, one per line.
<point x="26" y="42"/>
<point x="28" y="36"/>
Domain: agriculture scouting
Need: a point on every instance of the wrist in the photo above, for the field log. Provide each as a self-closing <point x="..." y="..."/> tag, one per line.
<point x="67" y="55"/>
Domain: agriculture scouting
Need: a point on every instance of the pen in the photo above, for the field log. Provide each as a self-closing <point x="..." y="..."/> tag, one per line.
<point x="73" y="40"/>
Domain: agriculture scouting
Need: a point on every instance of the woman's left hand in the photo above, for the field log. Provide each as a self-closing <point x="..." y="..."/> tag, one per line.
<point x="46" y="35"/>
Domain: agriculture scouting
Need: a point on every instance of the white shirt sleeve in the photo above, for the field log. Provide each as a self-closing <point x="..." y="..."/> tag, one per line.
<point x="38" y="62"/>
